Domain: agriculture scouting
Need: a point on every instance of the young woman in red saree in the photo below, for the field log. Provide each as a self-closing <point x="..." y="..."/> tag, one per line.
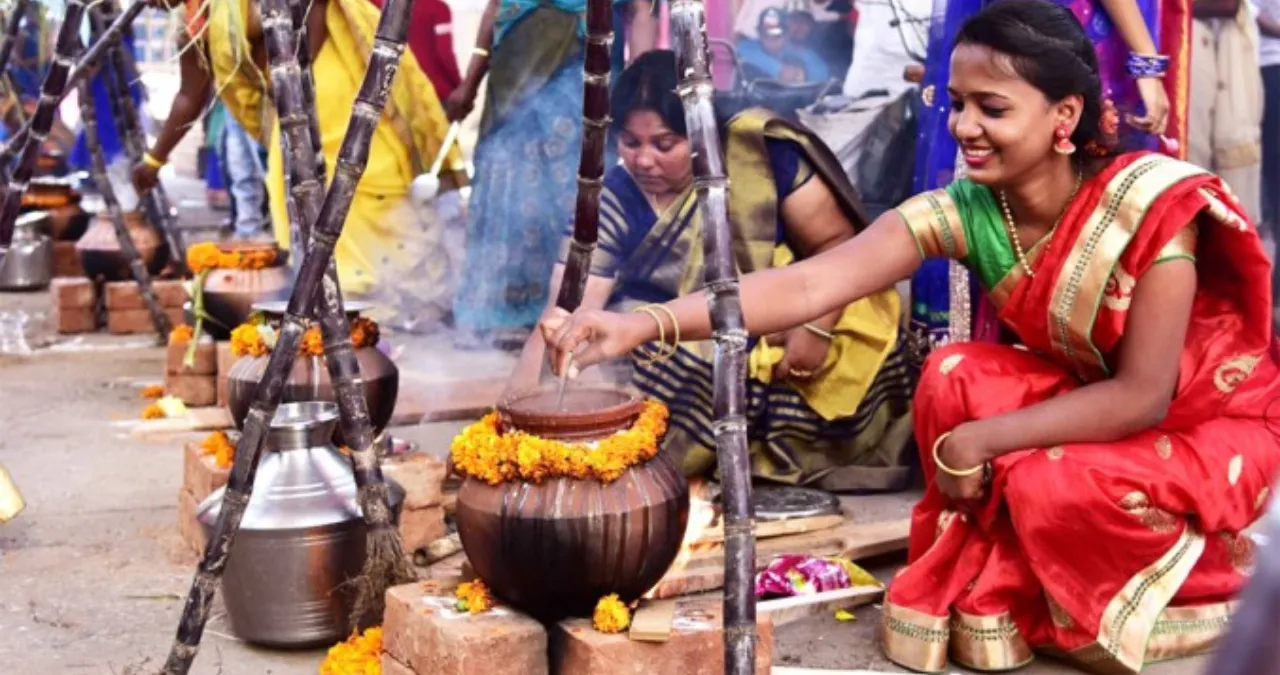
<point x="1088" y="486"/>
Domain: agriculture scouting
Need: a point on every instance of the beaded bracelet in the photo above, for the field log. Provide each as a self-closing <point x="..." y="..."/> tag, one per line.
<point x="1147" y="65"/>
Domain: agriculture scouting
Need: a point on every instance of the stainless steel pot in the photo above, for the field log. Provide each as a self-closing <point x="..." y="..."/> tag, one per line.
<point x="302" y="537"/>
<point x="28" y="265"/>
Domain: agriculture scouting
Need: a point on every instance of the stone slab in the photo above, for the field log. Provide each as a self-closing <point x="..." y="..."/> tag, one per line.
<point x="138" y="321"/>
<point x="72" y="293"/>
<point x="74" y="321"/>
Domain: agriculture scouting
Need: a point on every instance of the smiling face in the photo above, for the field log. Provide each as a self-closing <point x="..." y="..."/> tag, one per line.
<point x="1004" y="125"/>
<point x="657" y="157"/>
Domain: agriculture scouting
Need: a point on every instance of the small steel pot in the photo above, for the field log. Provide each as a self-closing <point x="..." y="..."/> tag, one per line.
<point x="28" y="264"/>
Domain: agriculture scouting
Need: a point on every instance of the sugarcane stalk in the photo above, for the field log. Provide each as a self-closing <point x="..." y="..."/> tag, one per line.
<point x="595" y="129"/>
<point x="385" y="562"/>
<point x="155" y="203"/>
<point x="309" y="291"/>
<point x="50" y="93"/>
<point x="11" y="32"/>
<point x="83" y="67"/>
<point x="127" y="248"/>
<point x="696" y="89"/>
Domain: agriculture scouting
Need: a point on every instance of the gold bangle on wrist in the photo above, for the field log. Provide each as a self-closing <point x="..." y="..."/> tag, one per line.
<point x="662" y="336"/>
<point x="151" y="161"/>
<point x="937" y="461"/>
<point x="482" y="53"/>
<point x="820" y="332"/>
<point x="675" y="326"/>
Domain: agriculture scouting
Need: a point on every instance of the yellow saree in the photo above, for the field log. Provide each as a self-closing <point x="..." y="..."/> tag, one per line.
<point x="385" y="253"/>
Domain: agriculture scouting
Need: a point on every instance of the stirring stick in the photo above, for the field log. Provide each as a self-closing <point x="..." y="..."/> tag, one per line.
<point x="564" y="379"/>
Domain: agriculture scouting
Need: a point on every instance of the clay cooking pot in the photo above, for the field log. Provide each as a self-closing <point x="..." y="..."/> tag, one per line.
<point x="555" y="548"/>
<point x="229" y="295"/>
<point x="100" y="253"/>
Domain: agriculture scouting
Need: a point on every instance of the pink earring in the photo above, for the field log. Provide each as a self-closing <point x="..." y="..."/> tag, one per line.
<point x="1063" y="144"/>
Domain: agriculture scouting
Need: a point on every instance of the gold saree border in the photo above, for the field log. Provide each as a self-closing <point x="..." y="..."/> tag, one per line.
<point x="934" y="222"/>
<point x="1130" y="619"/>
<point x="988" y="643"/>
<point x="913" y="639"/>
<point x="1188" y="631"/>
<point x="1080" y="285"/>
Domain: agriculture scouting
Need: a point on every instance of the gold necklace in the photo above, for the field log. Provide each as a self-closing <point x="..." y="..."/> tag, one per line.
<point x="1012" y="229"/>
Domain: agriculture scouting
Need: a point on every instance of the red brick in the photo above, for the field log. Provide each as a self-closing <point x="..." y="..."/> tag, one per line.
<point x="137" y="321"/>
<point x="72" y="292"/>
<point x="206" y="358"/>
<point x="695" y="647"/>
<point x="195" y="390"/>
<point x="188" y="527"/>
<point x="70" y="321"/>
<point x="170" y="293"/>
<point x="421" y="476"/>
<point x="422" y="629"/>
<point x="225" y="359"/>
<point x="66" y="260"/>
<point x="419" y="527"/>
<point x="200" y="473"/>
<point x="390" y="666"/>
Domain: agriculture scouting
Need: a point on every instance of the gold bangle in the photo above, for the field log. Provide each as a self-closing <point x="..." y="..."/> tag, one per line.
<point x="675" y="326"/>
<point x="662" y="336"/>
<point x="151" y="161"/>
<point x="482" y="53"/>
<point x="937" y="461"/>
<point x="819" y="332"/>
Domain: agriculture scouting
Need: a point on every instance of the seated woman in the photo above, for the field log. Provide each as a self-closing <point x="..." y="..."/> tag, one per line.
<point x="827" y="399"/>
<point x="1088" y="488"/>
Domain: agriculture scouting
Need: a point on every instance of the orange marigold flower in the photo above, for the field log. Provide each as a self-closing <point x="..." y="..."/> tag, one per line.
<point x="358" y="655"/>
<point x="219" y="445"/>
<point x="152" y="412"/>
<point x="181" y="334"/>
<point x="257" y="258"/>
<point x="153" y="391"/>
<point x="473" y="597"/>
<point x="312" y="342"/>
<point x="364" y="332"/>
<point x="203" y="256"/>
<point x="247" y="341"/>
<point x="611" y="616"/>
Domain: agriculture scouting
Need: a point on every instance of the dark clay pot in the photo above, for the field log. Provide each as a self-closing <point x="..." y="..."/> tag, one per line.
<point x="309" y="381"/>
<point x="554" y="549"/>
<point x="229" y="295"/>
<point x="57" y="196"/>
<point x="100" y="253"/>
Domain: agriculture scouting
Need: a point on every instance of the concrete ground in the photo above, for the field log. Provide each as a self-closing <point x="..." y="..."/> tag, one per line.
<point x="93" y="574"/>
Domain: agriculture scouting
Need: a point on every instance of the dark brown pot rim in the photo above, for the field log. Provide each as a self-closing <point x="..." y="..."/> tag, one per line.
<point x="621" y="409"/>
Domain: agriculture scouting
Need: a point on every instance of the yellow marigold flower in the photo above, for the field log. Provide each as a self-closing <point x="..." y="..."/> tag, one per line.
<point x="358" y="655"/>
<point x="203" y="256"/>
<point x="611" y="616"/>
<point x="256" y="259"/>
<point x="247" y="341"/>
<point x="364" y="332"/>
<point x="312" y="342"/>
<point x="181" y="334"/>
<point x="152" y="412"/>
<point x="153" y="391"/>
<point x="473" y="597"/>
<point x="220" y="446"/>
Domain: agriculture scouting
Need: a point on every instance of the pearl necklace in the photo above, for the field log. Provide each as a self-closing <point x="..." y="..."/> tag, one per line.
<point x="1012" y="229"/>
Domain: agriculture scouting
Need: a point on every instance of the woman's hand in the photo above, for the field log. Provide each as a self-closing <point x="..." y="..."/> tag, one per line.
<point x="145" y="177"/>
<point x="461" y="102"/>
<point x="962" y="451"/>
<point x="804" y="354"/>
<point x="1156" y="101"/>
<point x="591" y="336"/>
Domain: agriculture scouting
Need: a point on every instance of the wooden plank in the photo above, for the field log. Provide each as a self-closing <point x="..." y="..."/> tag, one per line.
<point x="855" y="541"/>
<point x="653" y="620"/>
<point x="788" y="610"/>
<point x="777" y="528"/>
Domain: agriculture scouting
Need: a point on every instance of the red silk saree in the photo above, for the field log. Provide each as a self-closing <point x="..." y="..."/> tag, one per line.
<point x="1110" y="555"/>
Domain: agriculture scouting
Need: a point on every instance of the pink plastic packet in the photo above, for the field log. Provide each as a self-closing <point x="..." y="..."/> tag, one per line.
<point x="792" y="575"/>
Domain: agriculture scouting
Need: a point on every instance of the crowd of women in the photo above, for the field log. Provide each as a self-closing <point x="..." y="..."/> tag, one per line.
<point x="1096" y="312"/>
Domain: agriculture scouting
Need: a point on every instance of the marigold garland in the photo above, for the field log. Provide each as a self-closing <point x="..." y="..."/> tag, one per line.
<point x="358" y="655"/>
<point x="246" y="339"/>
<point x="152" y="391"/>
<point x="153" y="411"/>
<point x="611" y="616"/>
<point x="207" y="256"/>
<point x="482" y="451"/>
<point x="473" y="597"/>
<point x="219" y="445"/>
<point x="312" y="342"/>
<point x="181" y="334"/>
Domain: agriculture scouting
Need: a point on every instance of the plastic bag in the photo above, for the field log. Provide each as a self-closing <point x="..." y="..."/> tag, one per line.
<point x="792" y="575"/>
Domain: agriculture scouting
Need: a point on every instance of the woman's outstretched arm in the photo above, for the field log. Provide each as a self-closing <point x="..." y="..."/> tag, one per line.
<point x="773" y="300"/>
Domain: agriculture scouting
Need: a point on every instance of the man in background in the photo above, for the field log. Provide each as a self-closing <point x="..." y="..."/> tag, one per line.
<point x="772" y="56"/>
